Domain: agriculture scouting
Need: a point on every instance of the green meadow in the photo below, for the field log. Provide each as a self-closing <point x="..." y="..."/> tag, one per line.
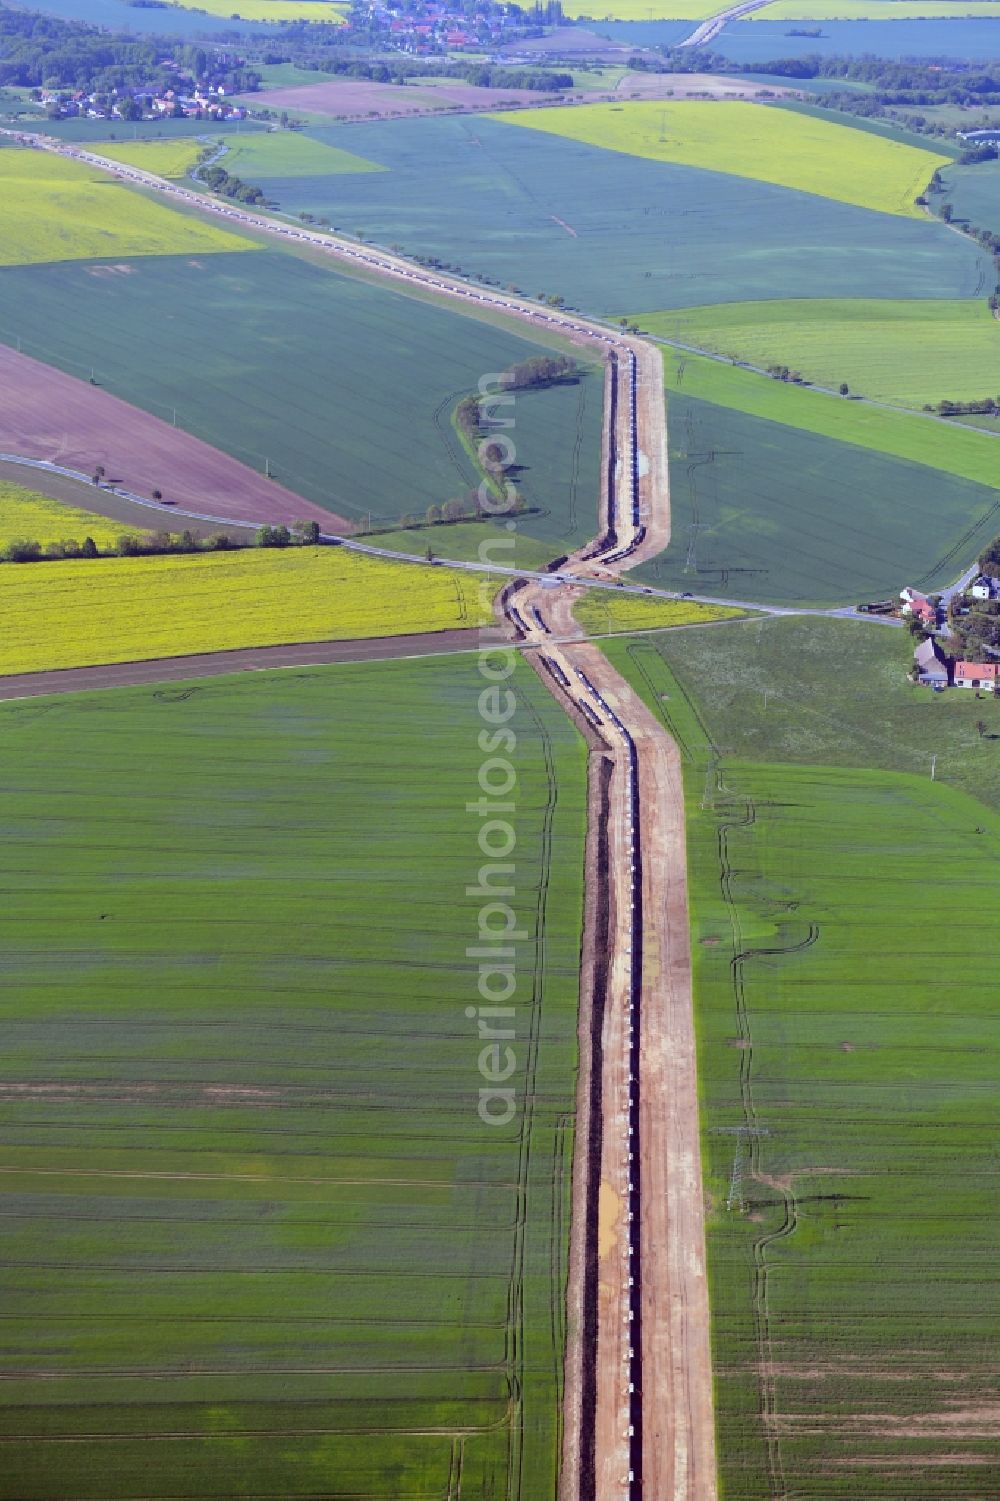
<point x="258" y="1240"/>
<point x="847" y="1099"/>
<point x="909" y="352"/>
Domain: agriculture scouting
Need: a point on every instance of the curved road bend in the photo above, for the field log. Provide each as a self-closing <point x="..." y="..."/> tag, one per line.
<point x="654" y="1431"/>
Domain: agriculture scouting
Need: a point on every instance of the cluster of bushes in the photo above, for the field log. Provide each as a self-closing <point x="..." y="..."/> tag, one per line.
<point x="219" y="181"/>
<point x="988" y="406"/>
<point x="302" y="534"/>
<point x="542" y="370"/>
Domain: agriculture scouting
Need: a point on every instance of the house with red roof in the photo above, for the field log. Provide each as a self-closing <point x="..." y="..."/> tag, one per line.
<point x="984" y="675"/>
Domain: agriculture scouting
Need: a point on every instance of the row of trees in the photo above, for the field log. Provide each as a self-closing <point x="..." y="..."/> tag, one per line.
<point x="128" y="545"/>
<point x="155" y="544"/>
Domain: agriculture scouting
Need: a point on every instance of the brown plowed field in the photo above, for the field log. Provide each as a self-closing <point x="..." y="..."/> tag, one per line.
<point x="249" y="659"/>
<point x="45" y="414"/>
<point x="354" y="97"/>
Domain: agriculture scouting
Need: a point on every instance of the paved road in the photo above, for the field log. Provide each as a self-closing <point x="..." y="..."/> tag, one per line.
<point x="708" y="30"/>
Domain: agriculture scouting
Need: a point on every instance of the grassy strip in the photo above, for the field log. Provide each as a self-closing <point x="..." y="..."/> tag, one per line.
<point x="78" y="614"/>
<point x="603" y="610"/>
<point x="939" y="445"/>
<point x="912" y="352"/>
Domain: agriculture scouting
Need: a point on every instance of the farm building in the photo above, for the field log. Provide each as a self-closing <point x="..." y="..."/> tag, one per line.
<point x="984" y="587"/>
<point x="977" y="675"/>
<point x="915" y="603"/>
<point x="933" y="667"/>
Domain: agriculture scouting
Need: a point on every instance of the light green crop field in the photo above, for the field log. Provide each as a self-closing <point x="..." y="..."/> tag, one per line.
<point x="470" y="541"/>
<point x="173" y="157"/>
<point x="26" y="513"/>
<point x="259" y="154"/>
<point x="55" y="209"/>
<point x="258" y="1239"/>
<point x="289" y="153"/>
<point x="750" y="140"/>
<point x="920" y="439"/>
<point x="847" y="1114"/>
<point x="600" y="611"/>
<point x="909" y="352"/>
<point x="84" y="612"/>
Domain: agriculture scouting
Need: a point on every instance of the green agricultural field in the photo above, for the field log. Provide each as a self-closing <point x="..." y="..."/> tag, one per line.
<point x="254" y="157"/>
<point x="263" y="356"/>
<point x="913" y="352"/>
<point x="846" y="1094"/>
<point x="634" y="10"/>
<point x="793" y="150"/>
<point x="289" y="153"/>
<point x="264" y="1244"/>
<point x="60" y="210"/>
<point x="769" y="513"/>
<point x="820" y="714"/>
<point x="920" y="439"/>
<point x="974" y="193"/>
<point x="877" y="10"/>
<point x="609" y="231"/>
<point x="469" y="541"/>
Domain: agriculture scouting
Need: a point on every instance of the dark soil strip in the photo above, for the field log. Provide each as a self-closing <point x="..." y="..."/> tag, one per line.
<point x="248" y="659"/>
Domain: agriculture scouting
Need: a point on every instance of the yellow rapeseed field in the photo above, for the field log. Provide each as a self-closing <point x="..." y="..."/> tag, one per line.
<point x="603" y="610"/>
<point x="55" y="209"/>
<point x="753" y="140"/>
<point x="26" y="514"/>
<point x="83" y="613"/>
<point x="271" y="10"/>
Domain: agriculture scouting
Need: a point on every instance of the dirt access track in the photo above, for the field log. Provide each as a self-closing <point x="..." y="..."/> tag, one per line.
<point x="45" y="414"/>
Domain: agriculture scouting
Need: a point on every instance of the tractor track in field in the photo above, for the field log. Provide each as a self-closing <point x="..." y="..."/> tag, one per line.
<point x="643" y="1360"/>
